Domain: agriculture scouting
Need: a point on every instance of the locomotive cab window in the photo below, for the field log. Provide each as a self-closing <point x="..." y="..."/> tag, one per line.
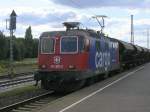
<point x="69" y="44"/>
<point x="47" y="45"/>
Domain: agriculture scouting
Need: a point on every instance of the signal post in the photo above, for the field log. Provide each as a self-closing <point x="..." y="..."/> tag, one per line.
<point x="11" y="28"/>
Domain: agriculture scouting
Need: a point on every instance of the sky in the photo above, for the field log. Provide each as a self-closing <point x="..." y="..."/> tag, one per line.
<point x="48" y="15"/>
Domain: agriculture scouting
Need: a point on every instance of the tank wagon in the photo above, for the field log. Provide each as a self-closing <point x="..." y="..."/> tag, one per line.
<point x="70" y="59"/>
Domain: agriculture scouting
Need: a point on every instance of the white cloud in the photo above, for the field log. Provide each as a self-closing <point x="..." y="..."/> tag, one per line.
<point x="104" y="3"/>
<point x="45" y="15"/>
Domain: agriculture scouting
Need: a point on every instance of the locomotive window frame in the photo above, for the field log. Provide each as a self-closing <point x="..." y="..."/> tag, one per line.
<point x="86" y="45"/>
<point x="41" y="50"/>
<point x="98" y="45"/>
<point x="69" y="52"/>
<point x="81" y="44"/>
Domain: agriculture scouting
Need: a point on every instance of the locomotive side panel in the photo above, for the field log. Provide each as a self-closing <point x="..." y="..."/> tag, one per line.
<point x="104" y="55"/>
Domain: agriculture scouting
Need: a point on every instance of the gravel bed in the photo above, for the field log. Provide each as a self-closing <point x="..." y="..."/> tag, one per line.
<point x="8" y="100"/>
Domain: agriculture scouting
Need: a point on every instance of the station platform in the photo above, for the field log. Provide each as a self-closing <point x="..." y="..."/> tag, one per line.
<point x="126" y="92"/>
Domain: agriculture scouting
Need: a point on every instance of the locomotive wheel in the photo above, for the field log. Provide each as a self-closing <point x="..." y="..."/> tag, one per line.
<point x="67" y="87"/>
<point x="89" y="81"/>
<point x="44" y="84"/>
<point x="112" y="73"/>
<point x="106" y="75"/>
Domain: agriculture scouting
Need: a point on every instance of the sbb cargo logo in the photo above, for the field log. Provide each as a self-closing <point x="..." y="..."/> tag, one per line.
<point x="57" y="60"/>
<point x="102" y="59"/>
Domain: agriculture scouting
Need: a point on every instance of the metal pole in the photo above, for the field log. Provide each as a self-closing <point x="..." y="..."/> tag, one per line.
<point x="148" y="38"/>
<point x="132" y="30"/>
<point x="11" y="54"/>
<point x="11" y="28"/>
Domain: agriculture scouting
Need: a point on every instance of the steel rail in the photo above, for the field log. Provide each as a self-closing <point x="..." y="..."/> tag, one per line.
<point x="8" y="83"/>
<point x="22" y="103"/>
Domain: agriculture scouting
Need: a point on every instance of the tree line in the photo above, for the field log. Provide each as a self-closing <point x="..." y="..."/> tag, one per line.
<point x="26" y="47"/>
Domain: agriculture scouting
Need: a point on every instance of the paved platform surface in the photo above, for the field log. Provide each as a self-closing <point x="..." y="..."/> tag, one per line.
<point x="127" y="92"/>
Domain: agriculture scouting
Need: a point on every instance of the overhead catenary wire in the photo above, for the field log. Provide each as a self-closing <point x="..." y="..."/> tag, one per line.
<point x="95" y="16"/>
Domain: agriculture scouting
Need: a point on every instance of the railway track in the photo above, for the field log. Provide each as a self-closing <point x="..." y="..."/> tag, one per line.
<point x="31" y="104"/>
<point x="35" y="103"/>
<point x="8" y="83"/>
<point x="7" y="76"/>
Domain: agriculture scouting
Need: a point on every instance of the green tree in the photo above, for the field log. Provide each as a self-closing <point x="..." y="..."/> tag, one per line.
<point x="35" y="48"/>
<point x="4" y="46"/>
<point x="28" y="42"/>
<point x="22" y="47"/>
<point x="28" y="34"/>
<point x="19" y="49"/>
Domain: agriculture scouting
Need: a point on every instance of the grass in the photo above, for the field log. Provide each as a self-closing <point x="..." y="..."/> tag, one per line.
<point x="19" y="91"/>
<point x="29" y="61"/>
<point x="26" y="65"/>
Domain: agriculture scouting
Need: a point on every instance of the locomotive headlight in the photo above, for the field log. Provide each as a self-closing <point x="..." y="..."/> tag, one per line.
<point x="43" y="66"/>
<point x="72" y="67"/>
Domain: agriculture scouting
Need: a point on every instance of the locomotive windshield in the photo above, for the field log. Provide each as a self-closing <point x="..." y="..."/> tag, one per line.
<point x="69" y="44"/>
<point x="47" y="45"/>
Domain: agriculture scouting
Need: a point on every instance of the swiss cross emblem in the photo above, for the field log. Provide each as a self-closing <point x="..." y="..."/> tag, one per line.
<point x="57" y="60"/>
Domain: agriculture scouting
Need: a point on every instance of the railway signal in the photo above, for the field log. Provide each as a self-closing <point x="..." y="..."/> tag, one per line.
<point x="13" y="20"/>
<point x="11" y="28"/>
